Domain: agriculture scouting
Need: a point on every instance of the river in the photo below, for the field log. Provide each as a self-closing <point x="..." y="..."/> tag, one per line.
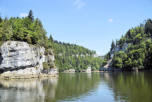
<point x="80" y="87"/>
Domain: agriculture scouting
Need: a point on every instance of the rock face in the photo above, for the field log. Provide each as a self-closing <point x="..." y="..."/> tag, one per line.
<point x="88" y="70"/>
<point x="53" y="71"/>
<point x="118" y="48"/>
<point x="21" y="58"/>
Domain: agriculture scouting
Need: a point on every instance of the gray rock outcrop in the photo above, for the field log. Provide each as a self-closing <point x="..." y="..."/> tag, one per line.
<point x="118" y="48"/>
<point x="21" y="58"/>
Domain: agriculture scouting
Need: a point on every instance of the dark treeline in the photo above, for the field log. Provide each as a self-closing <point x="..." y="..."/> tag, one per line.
<point x="138" y="53"/>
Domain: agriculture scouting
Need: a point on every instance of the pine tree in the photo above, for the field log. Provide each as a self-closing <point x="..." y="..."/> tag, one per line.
<point x="148" y="27"/>
<point x="30" y="15"/>
<point x="112" y="45"/>
<point x="1" y="19"/>
<point x="51" y="38"/>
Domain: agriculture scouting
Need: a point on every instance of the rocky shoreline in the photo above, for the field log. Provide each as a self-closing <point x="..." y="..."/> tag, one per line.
<point x="30" y="76"/>
<point x="20" y="60"/>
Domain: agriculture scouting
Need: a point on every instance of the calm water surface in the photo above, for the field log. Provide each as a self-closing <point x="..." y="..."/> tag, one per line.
<point x="80" y="87"/>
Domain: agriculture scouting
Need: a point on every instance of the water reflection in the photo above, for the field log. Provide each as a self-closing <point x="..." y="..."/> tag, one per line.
<point x="80" y="87"/>
<point x="65" y="87"/>
<point x="76" y="85"/>
<point x="25" y="90"/>
<point x="130" y="86"/>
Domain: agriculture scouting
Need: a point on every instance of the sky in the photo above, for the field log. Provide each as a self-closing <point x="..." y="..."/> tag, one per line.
<point x="89" y="23"/>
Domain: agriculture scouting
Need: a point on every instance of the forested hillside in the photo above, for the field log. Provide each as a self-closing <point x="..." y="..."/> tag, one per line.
<point x="27" y="29"/>
<point x="76" y="57"/>
<point x="134" y="49"/>
<point x="30" y="30"/>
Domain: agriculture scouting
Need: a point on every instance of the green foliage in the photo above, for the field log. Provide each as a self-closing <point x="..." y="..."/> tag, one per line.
<point x="119" y="59"/>
<point x="30" y="15"/>
<point x="26" y="29"/>
<point x="1" y="19"/>
<point x="107" y="56"/>
<point x="112" y="45"/>
<point x="148" y="27"/>
<point x="45" y="66"/>
<point x="31" y="31"/>
<point x="139" y="51"/>
<point x="73" y="56"/>
<point x="104" y="62"/>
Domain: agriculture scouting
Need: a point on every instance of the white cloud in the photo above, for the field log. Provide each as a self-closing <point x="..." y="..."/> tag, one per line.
<point x="23" y="14"/>
<point x="78" y="4"/>
<point x="110" y="20"/>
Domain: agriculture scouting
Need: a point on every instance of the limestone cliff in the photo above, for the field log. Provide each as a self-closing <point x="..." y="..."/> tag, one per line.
<point x="118" y="48"/>
<point x="22" y="58"/>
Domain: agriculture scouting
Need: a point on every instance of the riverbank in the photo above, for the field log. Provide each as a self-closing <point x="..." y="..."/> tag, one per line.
<point x="30" y="76"/>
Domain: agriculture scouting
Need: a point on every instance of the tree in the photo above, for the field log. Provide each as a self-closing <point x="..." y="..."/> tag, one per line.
<point x="117" y="62"/>
<point x="138" y="53"/>
<point x="138" y="38"/>
<point x="1" y="19"/>
<point x="112" y="46"/>
<point x="7" y="32"/>
<point x="30" y="15"/>
<point x="128" y="64"/>
<point x="119" y="59"/>
<point x="51" y="38"/>
<point x="148" y="60"/>
<point x="148" y="27"/>
<point x="73" y="56"/>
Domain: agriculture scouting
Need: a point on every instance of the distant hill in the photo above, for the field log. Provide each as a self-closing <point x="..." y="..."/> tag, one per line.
<point x="69" y="56"/>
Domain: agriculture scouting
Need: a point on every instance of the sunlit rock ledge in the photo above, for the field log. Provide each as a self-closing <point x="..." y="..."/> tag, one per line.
<point x="25" y="76"/>
<point x="22" y="60"/>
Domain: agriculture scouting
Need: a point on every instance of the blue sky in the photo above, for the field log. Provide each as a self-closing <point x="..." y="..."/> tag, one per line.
<point x="90" y="23"/>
